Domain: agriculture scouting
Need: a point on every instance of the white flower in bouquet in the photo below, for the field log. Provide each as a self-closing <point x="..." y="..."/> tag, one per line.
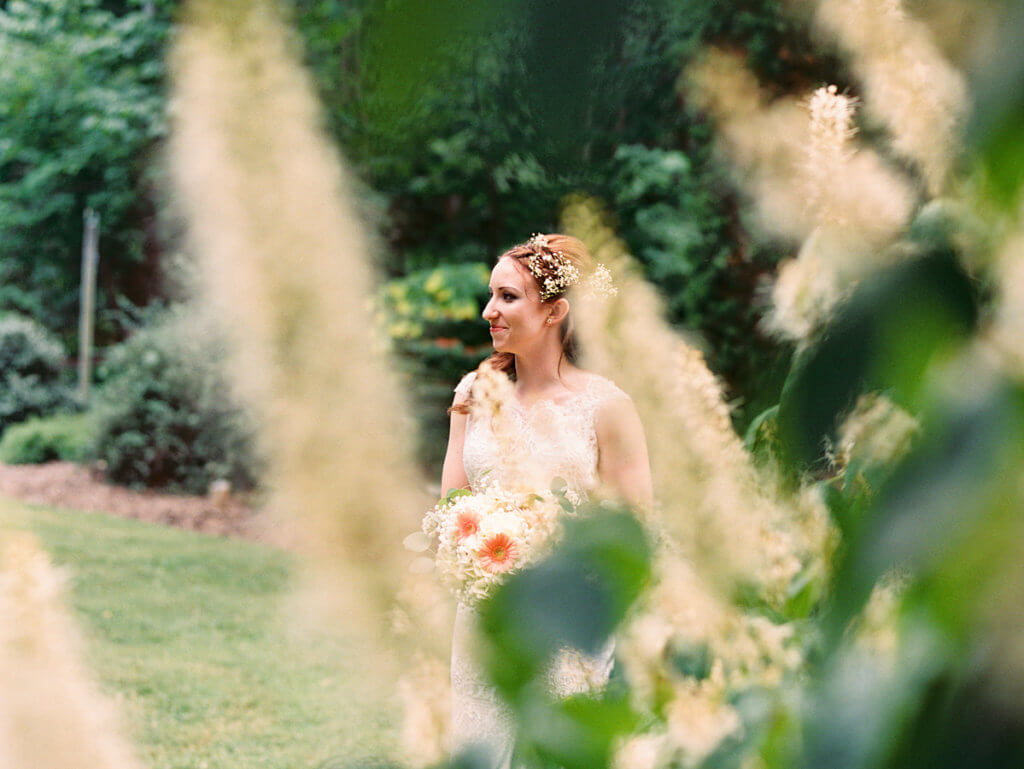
<point x="485" y="536"/>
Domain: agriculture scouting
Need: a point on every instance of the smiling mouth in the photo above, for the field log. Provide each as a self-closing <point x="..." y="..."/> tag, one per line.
<point x="498" y="328"/>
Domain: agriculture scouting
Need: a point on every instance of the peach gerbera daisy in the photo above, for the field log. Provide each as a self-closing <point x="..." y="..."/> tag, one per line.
<point x="468" y="523"/>
<point x="498" y="553"/>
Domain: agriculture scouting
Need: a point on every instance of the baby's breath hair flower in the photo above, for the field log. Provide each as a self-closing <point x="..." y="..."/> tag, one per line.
<point x="538" y="240"/>
<point x="555" y="273"/>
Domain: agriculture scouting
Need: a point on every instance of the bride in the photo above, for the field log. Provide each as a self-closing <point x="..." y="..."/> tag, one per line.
<point x="569" y="424"/>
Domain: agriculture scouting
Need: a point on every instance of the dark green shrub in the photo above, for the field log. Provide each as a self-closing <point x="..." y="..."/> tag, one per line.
<point x="66" y="437"/>
<point x="164" y="415"/>
<point x="31" y="361"/>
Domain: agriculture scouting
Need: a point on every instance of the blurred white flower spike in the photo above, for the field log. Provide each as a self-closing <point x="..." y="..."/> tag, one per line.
<point x="52" y="714"/>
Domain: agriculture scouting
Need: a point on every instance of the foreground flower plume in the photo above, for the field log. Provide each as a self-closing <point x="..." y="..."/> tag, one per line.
<point x="908" y="85"/>
<point x="284" y="268"/>
<point x="52" y="715"/>
<point x="810" y="182"/>
<point x="722" y="522"/>
<point x="829" y="150"/>
<point x="713" y="501"/>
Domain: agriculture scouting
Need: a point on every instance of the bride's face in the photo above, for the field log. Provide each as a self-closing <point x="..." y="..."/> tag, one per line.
<point x="515" y="311"/>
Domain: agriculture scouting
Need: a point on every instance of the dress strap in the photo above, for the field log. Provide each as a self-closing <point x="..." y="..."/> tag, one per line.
<point x="465" y="384"/>
<point x="600" y="391"/>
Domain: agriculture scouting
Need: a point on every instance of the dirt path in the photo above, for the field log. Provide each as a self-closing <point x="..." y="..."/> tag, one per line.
<point x="65" y="484"/>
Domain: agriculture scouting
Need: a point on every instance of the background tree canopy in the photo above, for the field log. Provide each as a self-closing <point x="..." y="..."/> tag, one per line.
<point x="467" y="127"/>
<point x="82" y="105"/>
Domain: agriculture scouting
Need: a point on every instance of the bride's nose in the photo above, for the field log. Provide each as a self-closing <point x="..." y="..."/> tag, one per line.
<point x="489" y="313"/>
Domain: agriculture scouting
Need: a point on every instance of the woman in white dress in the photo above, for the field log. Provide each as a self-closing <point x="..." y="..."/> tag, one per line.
<point x="568" y="423"/>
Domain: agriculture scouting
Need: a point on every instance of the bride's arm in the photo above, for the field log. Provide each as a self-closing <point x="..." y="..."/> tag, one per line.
<point x="453" y="475"/>
<point x="623" y="464"/>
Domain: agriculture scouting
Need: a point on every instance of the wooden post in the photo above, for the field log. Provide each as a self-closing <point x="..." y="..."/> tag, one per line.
<point x="90" y="258"/>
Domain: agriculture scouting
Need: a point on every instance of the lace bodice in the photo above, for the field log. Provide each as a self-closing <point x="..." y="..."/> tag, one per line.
<point x="550" y="440"/>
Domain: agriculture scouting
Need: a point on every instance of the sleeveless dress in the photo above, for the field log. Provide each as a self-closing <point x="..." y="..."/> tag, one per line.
<point x="553" y="440"/>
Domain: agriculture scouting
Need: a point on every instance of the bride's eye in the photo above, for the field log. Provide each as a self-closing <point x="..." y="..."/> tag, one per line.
<point x="508" y="297"/>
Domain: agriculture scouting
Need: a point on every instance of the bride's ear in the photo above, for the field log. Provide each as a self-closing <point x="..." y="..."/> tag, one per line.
<point x="559" y="309"/>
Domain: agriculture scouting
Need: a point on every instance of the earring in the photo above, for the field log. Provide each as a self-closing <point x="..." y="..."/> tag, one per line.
<point x="548" y="321"/>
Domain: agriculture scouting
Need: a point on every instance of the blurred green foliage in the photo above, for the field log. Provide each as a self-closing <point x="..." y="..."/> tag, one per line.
<point x="997" y="87"/>
<point x="478" y="132"/>
<point x="940" y="686"/>
<point x="432" y="317"/>
<point x="465" y="143"/>
<point x="882" y="339"/>
<point x="67" y="437"/>
<point x="81" y="108"/>
<point x="32" y="380"/>
<point x="440" y="302"/>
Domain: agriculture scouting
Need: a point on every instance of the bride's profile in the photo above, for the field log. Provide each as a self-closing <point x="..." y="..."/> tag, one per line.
<point x="566" y="422"/>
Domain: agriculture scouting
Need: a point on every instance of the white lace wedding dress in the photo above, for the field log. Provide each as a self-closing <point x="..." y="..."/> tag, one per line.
<point x="552" y="440"/>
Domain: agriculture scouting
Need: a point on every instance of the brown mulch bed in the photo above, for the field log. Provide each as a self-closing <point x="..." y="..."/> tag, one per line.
<point x="65" y="484"/>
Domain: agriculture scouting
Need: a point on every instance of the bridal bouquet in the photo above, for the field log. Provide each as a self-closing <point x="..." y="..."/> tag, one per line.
<point x="483" y="537"/>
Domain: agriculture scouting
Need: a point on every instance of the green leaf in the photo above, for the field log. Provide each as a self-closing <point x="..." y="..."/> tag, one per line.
<point x="454" y="494"/>
<point x="576" y="597"/>
<point x="883" y="338"/>
<point x="950" y="515"/>
<point x="577" y="732"/>
<point x="804" y="595"/>
<point x="997" y="121"/>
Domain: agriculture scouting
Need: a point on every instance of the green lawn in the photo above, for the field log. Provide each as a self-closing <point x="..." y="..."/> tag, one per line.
<point x="187" y="628"/>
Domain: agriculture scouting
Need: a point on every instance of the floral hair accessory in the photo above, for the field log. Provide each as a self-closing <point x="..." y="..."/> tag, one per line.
<point x="537" y="240"/>
<point x="553" y="270"/>
<point x="555" y="273"/>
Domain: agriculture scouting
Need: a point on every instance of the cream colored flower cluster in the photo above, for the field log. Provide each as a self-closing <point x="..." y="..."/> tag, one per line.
<point x="877" y="432"/>
<point x="483" y="537"/>
<point x="908" y="84"/>
<point x="425" y="695"/>
<point x="52" y="711"/>
<point x="829" y="150"/>
<point x="685" y="615"/>
<point x="554" y="273"/>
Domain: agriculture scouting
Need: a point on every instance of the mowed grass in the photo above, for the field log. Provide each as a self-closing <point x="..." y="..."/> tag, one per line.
<point x="186" y="630"/>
